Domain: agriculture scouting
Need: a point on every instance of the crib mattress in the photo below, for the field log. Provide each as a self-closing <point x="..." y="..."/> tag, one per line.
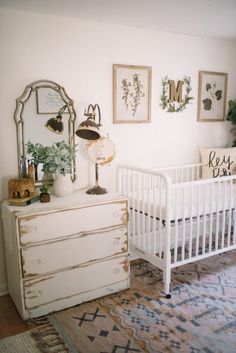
<point x="185" y="202"/>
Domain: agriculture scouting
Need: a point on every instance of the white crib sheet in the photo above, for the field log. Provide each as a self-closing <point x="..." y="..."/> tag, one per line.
<point x="185" y="201"/>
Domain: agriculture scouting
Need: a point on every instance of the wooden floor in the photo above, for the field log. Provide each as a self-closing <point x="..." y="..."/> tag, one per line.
<point x="10" y="321"/>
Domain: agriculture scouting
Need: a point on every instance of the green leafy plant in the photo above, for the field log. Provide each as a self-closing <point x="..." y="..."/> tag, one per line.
<point x="44" y="189"/>
<point x="56" y="159"/>
<point x="231" y="116"/>
<point x="36" y="151"/>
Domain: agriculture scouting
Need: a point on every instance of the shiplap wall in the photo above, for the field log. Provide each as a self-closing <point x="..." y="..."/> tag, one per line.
<point x="79" y="55"/>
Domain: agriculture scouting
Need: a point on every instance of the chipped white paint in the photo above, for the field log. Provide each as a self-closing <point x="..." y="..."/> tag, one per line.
<point x="65" y="284"/>
<point x="37" y="260"/>
<point x="82" y="220"/>
<point x="72" y="250"/>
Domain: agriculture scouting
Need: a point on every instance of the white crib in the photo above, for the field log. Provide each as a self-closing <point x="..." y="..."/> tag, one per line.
<point x="176" y="217"/>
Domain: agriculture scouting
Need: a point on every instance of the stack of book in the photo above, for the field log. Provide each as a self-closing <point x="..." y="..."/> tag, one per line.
<point x="23" y="202"/>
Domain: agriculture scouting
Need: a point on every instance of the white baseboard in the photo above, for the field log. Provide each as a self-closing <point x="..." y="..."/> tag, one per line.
<point x="3" y="289"/>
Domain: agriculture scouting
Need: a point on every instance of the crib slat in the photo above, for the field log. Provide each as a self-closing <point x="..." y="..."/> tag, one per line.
<point x="230" y="212"/>
<point x="154" y="229"/>
<point x="217" y="216"/>
<point x="234" y="228"/>
<point x="211" y="216"/>
<point x="139" y="206"/>
<point x="143" y="210"/>
<point x="223" y="215"/>
<point x="149" y="186"/>
<point x="204" y="218"/>
<point x="160" y="216"/>
<point x="183" y="223"/>
<point x="176" y="225"/>
<point x="198" y="219"/>
<point x="234" y="218"/>
<point x="191" y="222"/>
<point x="134" y="188"/>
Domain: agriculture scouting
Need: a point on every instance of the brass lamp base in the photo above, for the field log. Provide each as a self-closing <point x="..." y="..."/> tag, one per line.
<point x="97" y="190"/>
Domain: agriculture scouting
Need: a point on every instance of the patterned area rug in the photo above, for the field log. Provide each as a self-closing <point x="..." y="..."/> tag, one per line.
<point x="22" y="343"/>
<point x="199" y="317"/>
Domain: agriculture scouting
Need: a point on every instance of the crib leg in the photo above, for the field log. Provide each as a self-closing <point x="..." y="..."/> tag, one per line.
<point x="166" y="279"/>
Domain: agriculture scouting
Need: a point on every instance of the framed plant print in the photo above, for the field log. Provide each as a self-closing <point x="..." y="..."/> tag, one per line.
<point x="131" y="94"/>
<point x="212" y="92"/>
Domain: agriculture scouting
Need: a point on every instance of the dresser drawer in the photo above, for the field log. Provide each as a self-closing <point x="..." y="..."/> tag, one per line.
<point x="61" y="223"/>
<point x="81" y="279"/>
<point x="72" y="251"/>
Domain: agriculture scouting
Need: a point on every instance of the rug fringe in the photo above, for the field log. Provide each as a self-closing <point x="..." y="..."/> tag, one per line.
<point x="48" y="340"/>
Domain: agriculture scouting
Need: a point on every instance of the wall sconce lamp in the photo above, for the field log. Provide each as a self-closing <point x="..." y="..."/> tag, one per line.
<point x="56" y="124"/>
<point x="89" y="129"/>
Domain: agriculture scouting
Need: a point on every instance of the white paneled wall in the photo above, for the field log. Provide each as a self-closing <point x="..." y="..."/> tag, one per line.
<point x="79" y="55"/>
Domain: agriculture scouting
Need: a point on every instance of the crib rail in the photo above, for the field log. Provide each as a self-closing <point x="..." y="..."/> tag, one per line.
<point x="183" y="173"/>
<point x="176" y="217"/>
<point x="202" y="218"/>
<point x="148" y="225"/>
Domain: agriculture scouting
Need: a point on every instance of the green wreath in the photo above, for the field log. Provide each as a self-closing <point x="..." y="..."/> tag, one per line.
<point x="175" y="107"/>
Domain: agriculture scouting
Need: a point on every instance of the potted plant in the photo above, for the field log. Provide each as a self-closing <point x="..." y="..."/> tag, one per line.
<point x="56" y="160"/>
<point x="44" y="195"/>
<point x="231" y="116"/>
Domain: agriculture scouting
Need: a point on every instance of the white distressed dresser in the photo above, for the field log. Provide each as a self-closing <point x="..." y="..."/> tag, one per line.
<point x="65" y="252"/>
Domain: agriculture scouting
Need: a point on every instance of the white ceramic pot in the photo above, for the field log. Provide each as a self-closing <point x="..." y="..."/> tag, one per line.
<point x="63" y="185"/>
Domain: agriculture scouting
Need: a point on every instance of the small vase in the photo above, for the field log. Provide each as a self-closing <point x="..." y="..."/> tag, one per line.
<point x="63" y="185"/>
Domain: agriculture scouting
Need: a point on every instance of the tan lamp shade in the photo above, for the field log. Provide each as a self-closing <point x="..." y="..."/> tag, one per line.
<point x="88" y="130"/>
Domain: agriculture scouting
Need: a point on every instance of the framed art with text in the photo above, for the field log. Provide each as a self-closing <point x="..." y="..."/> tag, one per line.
<point x="131" y="94"/>
<point x="212" y="92"/>
<point x="49" y="101"/>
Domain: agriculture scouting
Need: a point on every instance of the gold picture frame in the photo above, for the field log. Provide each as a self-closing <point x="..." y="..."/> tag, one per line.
<point x="131" y="94"/>
<point x="212" y="93"/>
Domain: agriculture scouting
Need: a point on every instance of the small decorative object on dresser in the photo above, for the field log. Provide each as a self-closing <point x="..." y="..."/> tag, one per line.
<point x="20" y="188"/>
<point x="74" y="251"/>
<point x="44" y="194"/>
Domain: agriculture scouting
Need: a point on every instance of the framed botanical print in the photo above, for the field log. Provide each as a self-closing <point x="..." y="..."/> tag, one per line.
<point x="131" y="94"/>
<point x="212" y="93"/>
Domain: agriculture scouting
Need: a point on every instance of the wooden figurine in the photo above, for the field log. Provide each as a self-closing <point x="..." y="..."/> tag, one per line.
<point x="20" y="187"/>
<point x="31" y="171"/>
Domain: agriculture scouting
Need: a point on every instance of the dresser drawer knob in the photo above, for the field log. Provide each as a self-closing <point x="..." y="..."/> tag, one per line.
<point x="34" y="294"/>
<point x="30" y="228"/>
<point x="36" y="261"/>
<point x="115" y="214"/>
<point x="116" y="241"/>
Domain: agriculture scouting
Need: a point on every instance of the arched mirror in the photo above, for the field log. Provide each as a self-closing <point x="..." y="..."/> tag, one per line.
<point x="44" y="114"/>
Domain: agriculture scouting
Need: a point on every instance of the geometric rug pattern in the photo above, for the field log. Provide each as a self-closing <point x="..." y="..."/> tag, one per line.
<point x="199" y="317"/>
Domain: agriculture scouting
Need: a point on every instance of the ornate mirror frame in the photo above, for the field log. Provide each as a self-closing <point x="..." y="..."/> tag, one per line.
<point x="19" y="121"/>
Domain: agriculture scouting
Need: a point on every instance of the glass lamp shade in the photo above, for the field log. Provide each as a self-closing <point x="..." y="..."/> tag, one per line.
<point x="88" y="130"/>
<point x="55" y="124"/>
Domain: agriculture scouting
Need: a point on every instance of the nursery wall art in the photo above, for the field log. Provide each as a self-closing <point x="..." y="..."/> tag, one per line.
<point x="175" y="98"/>
<point x="212" y="91"/>
<point x="131" y="94"/>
